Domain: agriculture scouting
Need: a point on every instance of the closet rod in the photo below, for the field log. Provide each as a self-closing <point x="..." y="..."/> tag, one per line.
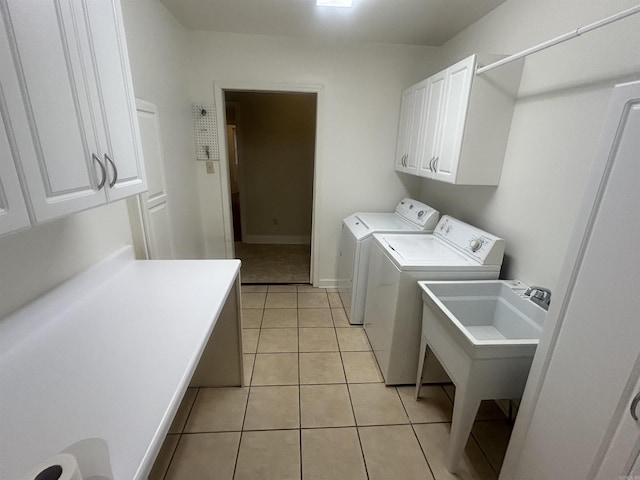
<point x="562" y="38"/>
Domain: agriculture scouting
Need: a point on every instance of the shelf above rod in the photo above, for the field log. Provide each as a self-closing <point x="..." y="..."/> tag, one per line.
<point x="562" y="38"/>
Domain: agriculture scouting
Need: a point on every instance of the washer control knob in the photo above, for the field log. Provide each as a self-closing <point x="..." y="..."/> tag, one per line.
<point x="475" y="244"/>
<point x="421" y="214"/>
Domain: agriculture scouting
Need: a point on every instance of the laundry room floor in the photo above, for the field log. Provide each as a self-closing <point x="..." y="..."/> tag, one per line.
<point x="269" y="263"/>
<point x="316" y="407"/>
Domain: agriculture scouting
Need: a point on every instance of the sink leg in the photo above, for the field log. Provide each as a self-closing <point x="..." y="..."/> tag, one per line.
<point x="421" y="362"/>
<point x="465" y="408"/>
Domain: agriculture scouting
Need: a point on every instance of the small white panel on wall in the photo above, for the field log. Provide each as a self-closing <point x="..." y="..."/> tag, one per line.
<point x="206" y="132"/>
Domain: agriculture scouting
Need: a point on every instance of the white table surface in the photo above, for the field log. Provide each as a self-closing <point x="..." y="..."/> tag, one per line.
<point x="108" y="354"/>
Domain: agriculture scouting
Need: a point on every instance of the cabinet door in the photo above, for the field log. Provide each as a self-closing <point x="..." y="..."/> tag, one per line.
<point x="120" y="144"/>
<point x="59" y="155"/>
<point x="13" y="210"/>
<point x="432" y="123"/>
<point x="404" y="130"/>
<point x="458" y="89"/>
<point x="414" y="151"/>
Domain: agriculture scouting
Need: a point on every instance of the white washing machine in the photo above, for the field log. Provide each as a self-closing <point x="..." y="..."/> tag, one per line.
<point x="393" y="312"/>
<point x="356" y="239"/>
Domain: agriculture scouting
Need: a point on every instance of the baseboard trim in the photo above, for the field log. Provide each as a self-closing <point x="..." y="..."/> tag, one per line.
<point x="278" y="239"/>
<point x="328" y="283"/>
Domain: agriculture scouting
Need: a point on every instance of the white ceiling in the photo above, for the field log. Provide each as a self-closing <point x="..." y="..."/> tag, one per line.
<point x="414" y="22"/>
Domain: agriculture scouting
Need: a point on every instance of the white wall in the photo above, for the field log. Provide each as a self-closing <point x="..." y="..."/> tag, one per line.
<point x="36" y="260"/>
<point x="357" y="120"/>
<point x="160" y="68"/>
<point x="562" y="101"/>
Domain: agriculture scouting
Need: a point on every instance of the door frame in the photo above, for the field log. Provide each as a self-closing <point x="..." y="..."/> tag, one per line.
<point x="219" y="88"/>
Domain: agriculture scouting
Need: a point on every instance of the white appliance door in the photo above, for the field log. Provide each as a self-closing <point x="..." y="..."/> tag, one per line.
<point x="346" y="265"/>
<point x="588" y="362"/>
<point x="382" y="294"/>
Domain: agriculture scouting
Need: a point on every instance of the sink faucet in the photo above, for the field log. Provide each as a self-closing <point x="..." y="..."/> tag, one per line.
<point x="540" y="296"/>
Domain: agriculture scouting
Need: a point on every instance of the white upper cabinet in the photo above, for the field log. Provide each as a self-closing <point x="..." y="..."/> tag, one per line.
<point x="453" y="116"/>
<point x="13" y="210"/>
<point x="404" y="130"/>
<point x="433" y="110"/>
<point x="77" y="135"/>
<point x="412" y="110"/>
<point x="122" y="150"/>
<point x="466" y="121"/>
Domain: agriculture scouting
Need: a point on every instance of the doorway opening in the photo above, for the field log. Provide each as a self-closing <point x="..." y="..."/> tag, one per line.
<point x="271" y="148"/>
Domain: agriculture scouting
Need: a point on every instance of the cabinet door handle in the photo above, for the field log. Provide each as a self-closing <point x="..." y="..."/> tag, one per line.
<point x="435" y="164"/>
<point x="406" y="159"/>
<point x="634" y="407"/>
<point x="115" y="171"/>
<point x="102" y="170"/>
<point x="431" y="163"/>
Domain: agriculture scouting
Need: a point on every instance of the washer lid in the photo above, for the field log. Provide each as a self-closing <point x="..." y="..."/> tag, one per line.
<point x="381" y="222"/>
<point x="415" y="250"/>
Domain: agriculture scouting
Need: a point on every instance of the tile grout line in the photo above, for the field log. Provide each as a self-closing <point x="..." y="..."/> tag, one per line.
<point x="180" y="434"/>
<point x="244" y="417"/>
<point x="353" y="412"/>
<point x="299" y="388"/>
<point x="424" y="454"/>
<point x="415" y="434"/>
<point x="325" y="427"/>
<point x="471" y="434"/>
<point x="173" y="454"/>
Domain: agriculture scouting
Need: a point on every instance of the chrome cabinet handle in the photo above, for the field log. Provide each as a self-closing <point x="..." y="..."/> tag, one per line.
<point x="102" y="169"/>
<point x="431" y="163"/>
<point x="115" y="170"/>
<point x="435" y="164"/>
<point x="634" y="406"/>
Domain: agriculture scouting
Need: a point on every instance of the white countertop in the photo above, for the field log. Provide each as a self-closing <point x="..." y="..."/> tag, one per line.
<point x="108" y="354"/>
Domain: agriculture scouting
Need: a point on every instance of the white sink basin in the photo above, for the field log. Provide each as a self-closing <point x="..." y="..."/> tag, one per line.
<point x="484" y="333"/>
<point x="488" y="318"/>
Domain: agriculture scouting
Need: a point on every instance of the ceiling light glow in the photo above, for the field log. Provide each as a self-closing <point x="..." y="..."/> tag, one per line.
<point x="334" y="3"/>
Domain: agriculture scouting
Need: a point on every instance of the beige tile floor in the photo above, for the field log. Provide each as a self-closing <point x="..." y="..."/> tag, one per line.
<point x="315" y="407"/>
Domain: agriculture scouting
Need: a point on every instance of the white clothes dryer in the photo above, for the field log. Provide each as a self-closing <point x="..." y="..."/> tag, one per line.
<point x="393" y="311"/>
<point x="410" y="216"/>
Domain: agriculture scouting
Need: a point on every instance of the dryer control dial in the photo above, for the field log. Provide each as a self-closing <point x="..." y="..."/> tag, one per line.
<point x="475" y="244"/>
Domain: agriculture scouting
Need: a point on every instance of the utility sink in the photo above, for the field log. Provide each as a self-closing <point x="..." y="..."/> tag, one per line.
<point x="484" y="333"/>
